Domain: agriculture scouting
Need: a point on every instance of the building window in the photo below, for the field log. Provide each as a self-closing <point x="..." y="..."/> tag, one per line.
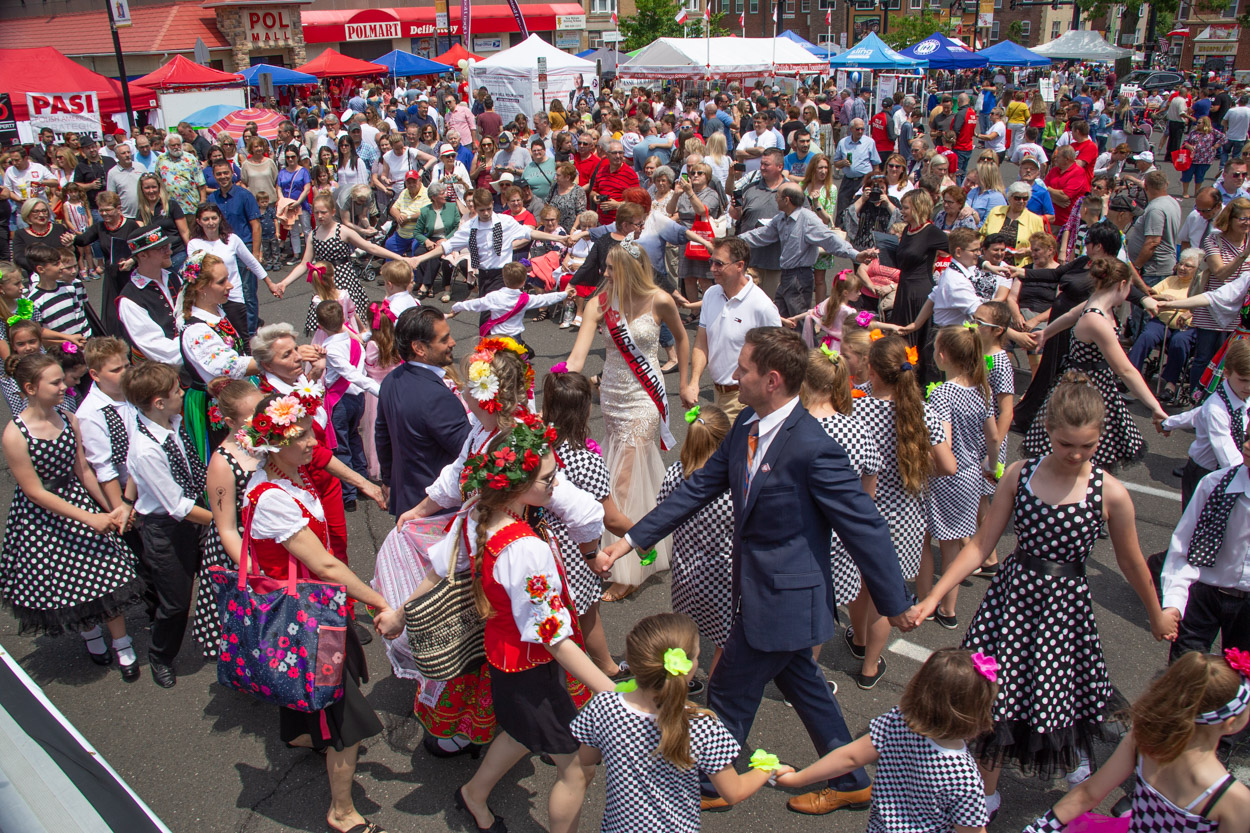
<point x="826" y="39"/>
<point x="806" y="7"/>
<point x="1026" y="29"/>
<point x="914" y="5"/>
<point x="1231" y="11"/>
<point x="935" y="4"/>
<point x="738" y="5"/>
<point x="998" y="4"/>
<point x="693" y="6"/>
<point x="755" y="6"/>
<point x="994" y="27"/>
<point x="825" y="5"/>
<point x="789" y="10"/>
<point x="865" y="5"/>
<point x="601" y="6"/>
<point x="1182" y="11"/>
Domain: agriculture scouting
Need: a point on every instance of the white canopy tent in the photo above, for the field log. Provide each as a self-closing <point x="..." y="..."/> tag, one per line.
<point x="511" y="77"/>
<point x="733" y="58"/>
<point x="1081" y="45"/>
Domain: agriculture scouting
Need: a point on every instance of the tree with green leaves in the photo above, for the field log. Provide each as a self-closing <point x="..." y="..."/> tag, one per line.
<point x="913" y="28"/>
<point x="1015" y="32"/>
<point x="655" y="19"/>
<point x="1165" y="13"/>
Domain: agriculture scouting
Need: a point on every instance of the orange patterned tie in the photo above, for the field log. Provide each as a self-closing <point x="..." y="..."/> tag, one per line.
<point x="753" y="442"/>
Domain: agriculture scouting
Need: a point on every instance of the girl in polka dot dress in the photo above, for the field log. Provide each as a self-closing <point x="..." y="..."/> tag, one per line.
<point x="926" y="778"/>
<point x="653" y="742"/>
<point x="1037" y="617"/>
<point x="703" y="546"/>
<point x="962" y="406"/>
<point x="566" y="405"/>
<point x="1181" y="785"/>
<point x="994" y="318"/>
<point x="826" y="394"/>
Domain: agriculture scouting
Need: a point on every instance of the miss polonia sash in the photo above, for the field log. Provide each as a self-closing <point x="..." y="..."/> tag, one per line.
<point x="646" y="374"/>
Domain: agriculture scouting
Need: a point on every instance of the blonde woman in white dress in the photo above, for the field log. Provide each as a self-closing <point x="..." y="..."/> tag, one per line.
<point x="631" y="392"/>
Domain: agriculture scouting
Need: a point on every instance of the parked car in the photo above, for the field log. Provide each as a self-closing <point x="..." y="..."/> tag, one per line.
<point x="1151" y="80"/>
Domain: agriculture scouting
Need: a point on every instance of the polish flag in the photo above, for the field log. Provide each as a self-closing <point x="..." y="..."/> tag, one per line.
<point x="829" y="17"/>
<point x="742" y="21"/>
<point x="681" y="16"/>
<point x="774" y="14"/>
<point x="707" y="13"/>
<point x="614" y="22"/>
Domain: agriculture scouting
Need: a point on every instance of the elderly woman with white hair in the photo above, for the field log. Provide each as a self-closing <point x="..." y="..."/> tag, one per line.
<point x="1171" y="328"/>
<point x="1015" y="220"/>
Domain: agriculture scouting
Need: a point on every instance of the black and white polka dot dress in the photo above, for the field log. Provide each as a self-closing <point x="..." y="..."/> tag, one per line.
<point x="205" y="625"/>
<point x="58" y="574"/>
<point x="702" y="562"/>
<point x="860" y="446"/>
<point x="586" y="470"/>
<point x="1053" y="683"/>
<point x="920" y="786"/>
<point x="338" y="252"/>
<point x="644" y="791"/>
<point x="951" y="502"/>
<point x="1121" y="440"/>
<point x="903" y="510"/>
<point x="1002" y="380"/>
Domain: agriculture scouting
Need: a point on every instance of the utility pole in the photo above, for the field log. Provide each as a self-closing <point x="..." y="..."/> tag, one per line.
<point x="121" y="69"/>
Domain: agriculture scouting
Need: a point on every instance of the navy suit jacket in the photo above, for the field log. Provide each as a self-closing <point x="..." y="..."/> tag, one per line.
<point x="420" y="428"/>
<point x="804" y="489"/>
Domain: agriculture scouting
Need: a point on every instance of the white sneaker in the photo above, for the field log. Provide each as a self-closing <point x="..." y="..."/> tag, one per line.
<point x="1081" y="773"/>
<point x="993" y="802"/>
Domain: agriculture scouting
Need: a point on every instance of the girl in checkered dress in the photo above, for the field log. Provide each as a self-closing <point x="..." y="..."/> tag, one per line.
<point x="994" y="318"/>
<point x="962" y="406"/>
<point x="856" y="342"/>
<point x="703" y="546"/>
<point x="926" y="777"/>
<point x="1181" y="785"/>
<point x="566" y="406"/>
<point x="1037" y="618"/>
<point x="826" y="394"/>
<point x="653" y="742"/>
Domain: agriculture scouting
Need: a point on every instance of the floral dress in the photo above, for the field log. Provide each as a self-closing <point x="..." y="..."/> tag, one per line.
<point x="827" y="201"/>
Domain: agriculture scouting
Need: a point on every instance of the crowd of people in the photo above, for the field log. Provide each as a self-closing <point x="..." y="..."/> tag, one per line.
<point x="839" y="421"/>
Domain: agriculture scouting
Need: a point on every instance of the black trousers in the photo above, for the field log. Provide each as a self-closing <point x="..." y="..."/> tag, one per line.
<point x="794" y="294"/>
<point x="1212" y="612"/>
<point x="488" y="280"/>
<point x="1190" y="477"/>
<point x="172" y="556"/>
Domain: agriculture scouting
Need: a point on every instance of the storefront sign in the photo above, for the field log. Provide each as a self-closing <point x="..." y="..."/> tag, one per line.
<point x="441" y="19"/>
<point x="64" y="113"/>
<point x="373" y="31"/>
<point x="568" y="40"/>
<point x="487" y="44"/>
<point x="570" y="22"/>
<point x="270" y="28"/>
<point x="1217" y="40"/>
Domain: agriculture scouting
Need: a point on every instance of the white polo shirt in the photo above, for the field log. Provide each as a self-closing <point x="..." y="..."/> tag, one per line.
<point x="727" y="320"/>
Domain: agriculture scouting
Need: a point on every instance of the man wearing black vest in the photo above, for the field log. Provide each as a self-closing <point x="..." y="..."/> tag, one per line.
<point x="145" y="305"/>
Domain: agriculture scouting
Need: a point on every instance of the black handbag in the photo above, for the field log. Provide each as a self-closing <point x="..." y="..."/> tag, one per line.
<point x="445" y="632"/>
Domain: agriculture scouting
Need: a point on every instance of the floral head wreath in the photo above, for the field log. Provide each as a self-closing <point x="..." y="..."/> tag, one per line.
<point x="483" y="382"/>
<point x="512" y="461"/>
<point x="191" y="269"/>
<point x="276" y="426"/>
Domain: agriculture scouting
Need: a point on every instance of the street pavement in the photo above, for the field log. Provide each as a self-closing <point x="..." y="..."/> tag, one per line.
<point x="208" y="759"/>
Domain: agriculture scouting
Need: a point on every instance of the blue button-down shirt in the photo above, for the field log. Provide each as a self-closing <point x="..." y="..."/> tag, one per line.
<point x="863" y="155"/>
<point x="239" y="208"/>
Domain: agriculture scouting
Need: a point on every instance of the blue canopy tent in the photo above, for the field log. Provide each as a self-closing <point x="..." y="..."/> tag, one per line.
<point x="403" y="64"/>
<point x="586" y="53"/>
<point x="943" y="53"/>
<point x="873" y="53"/>
<point x="1008" y="54"/>
<point x="818" y="51"/>
<point x="281" y="75"/>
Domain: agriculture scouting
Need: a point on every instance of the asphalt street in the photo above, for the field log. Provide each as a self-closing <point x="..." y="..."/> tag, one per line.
<point x="208" y="759"/>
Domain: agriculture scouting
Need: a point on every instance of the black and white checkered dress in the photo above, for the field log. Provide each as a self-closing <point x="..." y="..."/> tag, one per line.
<point x="1002" y="380"/>
<point x="1154" y="813"/>
<point x="1053" y="686"/>
<point x="644" y="791"/>
<point x="903" y="510"/>
<point x="702" y="562"/>
<point x="921" y="786"/>
<point x="951" y="502"/>
<point x="860" y="446"/>
<point x="205" y="624"/>
<point x="586" y="470"/>
<point x="1121" y="439"/>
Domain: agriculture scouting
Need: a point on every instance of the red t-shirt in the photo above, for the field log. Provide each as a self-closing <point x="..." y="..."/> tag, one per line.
<point x="880" y="134"/>
<point x="610" y="186"/>
<point x="1087" y="152"/>
<point x="586" y="167"/>
<point x="967" y="132"/>
<point x="489" y="124"/>
<point x="1074" y="183"/>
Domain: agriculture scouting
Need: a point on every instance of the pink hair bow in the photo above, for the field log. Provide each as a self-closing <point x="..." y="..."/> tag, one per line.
<point x="844" y="274"/>
<point x="986" y="666"/>
<point x="562" y="367"/>
<point x="864" y="318"/>
<point x="315" y="271"/>
<point x="378" y="311"/>
<point x="1238" y="660"/>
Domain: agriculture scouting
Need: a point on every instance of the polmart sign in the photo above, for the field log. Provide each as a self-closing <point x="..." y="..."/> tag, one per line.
<point x="65" y="113"/>
<point x="927" y="47"/>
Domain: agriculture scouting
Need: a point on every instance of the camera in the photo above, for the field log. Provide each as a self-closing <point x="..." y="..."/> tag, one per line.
<point x="874" y="194"/>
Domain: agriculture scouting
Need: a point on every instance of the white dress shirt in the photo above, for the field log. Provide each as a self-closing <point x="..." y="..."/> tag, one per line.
<point x="769" y="426"/>
<point x="1214" y="446"/>
<point x="209" y="356"/>
<point x="339" y="363"/>
<point x="158" y="492"/>
<point x="954" y="298"/>
<point x="401" y="301"/>
<point x="96" y="442"/>
<point x="1232" y="564"/>
<point x="502" y="301"/>
<point x="727" y="320"/>
<point x="1194" y="229"/>
<point x="487" y="259"/>
<point x="142" y="330"/>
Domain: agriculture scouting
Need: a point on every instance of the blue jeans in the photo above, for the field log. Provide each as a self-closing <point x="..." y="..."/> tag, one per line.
<point x="250" y="300"/>
<point x="1206" y="344"/>
<point x="962" y="157"/>
<point x="349" y="448"/>
<point x="177" y="260"/>
<point x="1180" y="342"/>
<point x="666" y="336"/>
<point x="1195" y="173"/>
<point x="406" y="246"/>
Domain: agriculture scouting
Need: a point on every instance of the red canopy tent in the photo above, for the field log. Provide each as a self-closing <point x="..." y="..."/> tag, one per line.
<point x="334" y="64"/>
<point x="43" y="69"/>
<point x="452" y="57"/>
<point x="180" y="72"/>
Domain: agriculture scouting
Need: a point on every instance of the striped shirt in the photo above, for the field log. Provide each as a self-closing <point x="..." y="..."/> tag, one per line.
<point x="1217" y="243"/>
<point x="62" y="309"/>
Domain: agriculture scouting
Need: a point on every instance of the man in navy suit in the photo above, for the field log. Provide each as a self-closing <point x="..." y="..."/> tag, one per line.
<point x="791" y="485"/>
<point x="421" y="424"/>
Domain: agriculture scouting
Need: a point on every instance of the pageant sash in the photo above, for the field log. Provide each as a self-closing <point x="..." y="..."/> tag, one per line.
<point x="335" y="392"/>
<point x="646" y="374"/>
<point x="486" y="326"/>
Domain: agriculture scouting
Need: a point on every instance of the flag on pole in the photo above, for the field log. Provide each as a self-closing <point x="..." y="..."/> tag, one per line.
<point x="774" y="14"/>
<point x="614" y="22"/>
<point x="829" y="17"/>
<point x="742" y="20"/>
<point x="707" y="12"/>
<point x="681" y="16"/>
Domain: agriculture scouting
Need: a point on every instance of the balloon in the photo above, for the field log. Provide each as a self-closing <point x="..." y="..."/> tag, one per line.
<point x="854" y="77"/>
<point x="473" y="62"/>
<point x="462" y="63"/>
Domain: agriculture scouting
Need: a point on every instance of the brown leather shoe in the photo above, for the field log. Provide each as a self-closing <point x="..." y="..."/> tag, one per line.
<point x="827" y="800"/>
<point x="712" y="804"/>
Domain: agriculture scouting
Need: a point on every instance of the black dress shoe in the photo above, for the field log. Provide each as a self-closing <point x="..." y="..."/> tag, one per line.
<point x="349" y="506"/>
<point x="163" y="674"/>
<point x="105" y="658"/>
<point x="857" y="651"/>
<point x="473" y="750"/>
<point x="363" y="634"/>
<point x="497" y="826"/>
<point x="130" y="673"/>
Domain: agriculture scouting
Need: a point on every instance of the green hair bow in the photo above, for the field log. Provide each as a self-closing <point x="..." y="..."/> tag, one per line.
<point x="626" y="686"/>
<point x="25" y="311"/>
<point x="764" y="760"/>
<point x="830" y="354"/>
<point x="692" y="415"/>
<point x="676" y="662"/>
<point x="971" y="325"/>
<point x="930" y="388"/>
<point x="989" y="364"/>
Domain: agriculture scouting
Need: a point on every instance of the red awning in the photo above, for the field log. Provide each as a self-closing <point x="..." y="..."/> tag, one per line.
<point x="452" y="57"/>
<point x="180" y="72"/>
<point x="334" y="64"/>
<point x="335" y="26"/>
<point x="45" y="70"/>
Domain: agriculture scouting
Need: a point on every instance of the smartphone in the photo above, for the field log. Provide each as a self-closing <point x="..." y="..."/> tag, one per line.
<point x="685" y="176"/>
